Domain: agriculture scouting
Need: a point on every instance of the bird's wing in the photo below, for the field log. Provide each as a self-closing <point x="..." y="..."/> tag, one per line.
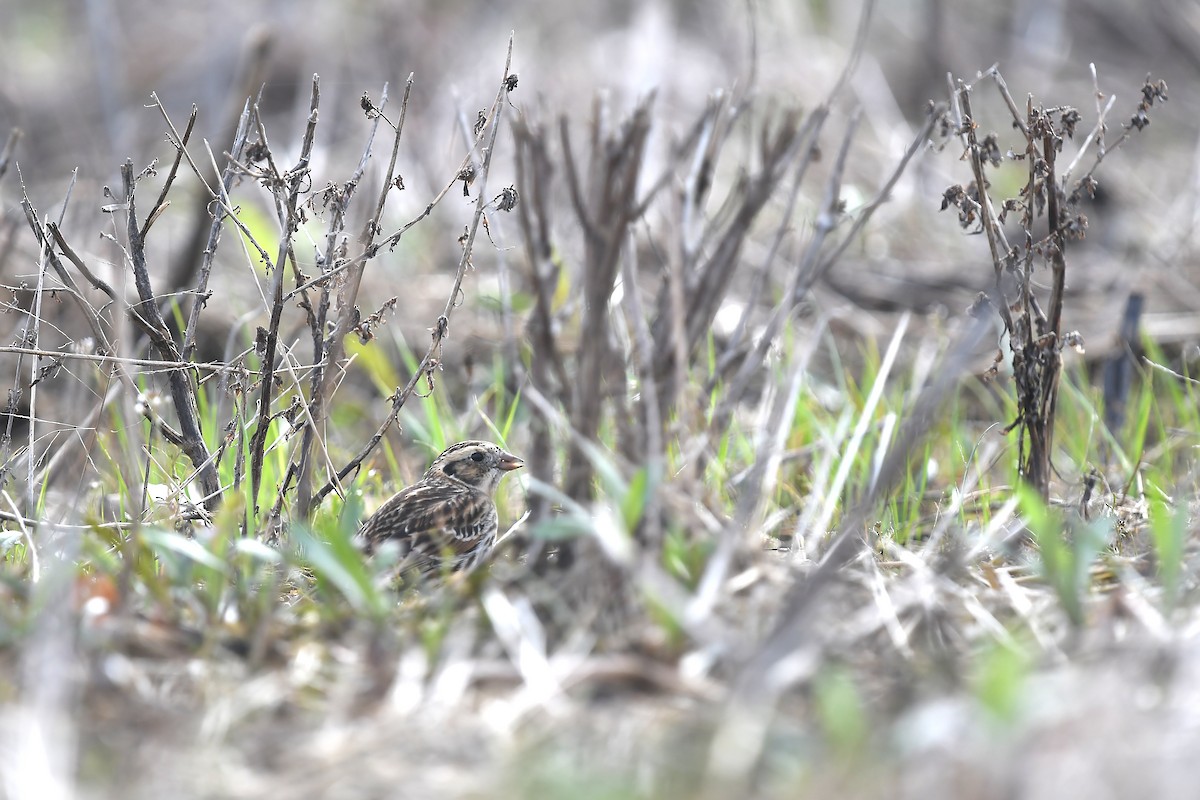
<point x="432" y="521"/>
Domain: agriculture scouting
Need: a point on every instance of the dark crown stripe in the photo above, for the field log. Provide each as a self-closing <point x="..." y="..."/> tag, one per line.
<point x="454" y="448"/>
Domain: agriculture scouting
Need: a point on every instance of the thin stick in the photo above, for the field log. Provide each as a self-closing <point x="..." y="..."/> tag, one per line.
<point x="10" y="146"/>
<point x="432" y="361"/>
<point x="180" y="145"/>
<point x="214" y="235"/>
<point x="287" y="205"/>
<point x="334" y="347"/>
<point x="987" y="216"/>
<point x="182" y="395"/>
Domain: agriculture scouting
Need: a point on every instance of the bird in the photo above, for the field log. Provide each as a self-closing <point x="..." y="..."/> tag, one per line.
<point x="446" y="521"/>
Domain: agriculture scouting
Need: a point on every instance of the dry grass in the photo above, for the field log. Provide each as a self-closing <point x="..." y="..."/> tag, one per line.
<point x="777" y="540"/>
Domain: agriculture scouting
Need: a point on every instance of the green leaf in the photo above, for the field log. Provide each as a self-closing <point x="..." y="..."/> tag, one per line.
<point x="262" y="229"/>
<point x="1000" y="680"/>
<point x="1169" y="531"/>
<point x="611" y="481"/>
<point x="339" y="563"/>
<point x="258" y="551"/>
<point x="634" y="501"/>
<point x="841" y="712"/>
<point x="560" y="528"/>
<point x="373" y="360"/>
<point x="169" y="541"/>
<point x="1067" y="553"/>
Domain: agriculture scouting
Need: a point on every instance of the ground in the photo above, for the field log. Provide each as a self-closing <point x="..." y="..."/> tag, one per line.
<point x="804" y="568"/>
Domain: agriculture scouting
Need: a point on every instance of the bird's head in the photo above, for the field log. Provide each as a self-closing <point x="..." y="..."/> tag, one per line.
<point x="477" y="464"/>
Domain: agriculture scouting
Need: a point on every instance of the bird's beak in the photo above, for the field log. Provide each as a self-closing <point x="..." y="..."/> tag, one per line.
<point x="509" y="462"/>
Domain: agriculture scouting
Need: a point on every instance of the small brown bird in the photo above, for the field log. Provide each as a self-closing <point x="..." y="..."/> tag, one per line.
<point x="447" y="520"/>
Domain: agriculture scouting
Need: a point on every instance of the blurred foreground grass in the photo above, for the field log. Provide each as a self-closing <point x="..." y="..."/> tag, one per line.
<point x="660" y="624"/>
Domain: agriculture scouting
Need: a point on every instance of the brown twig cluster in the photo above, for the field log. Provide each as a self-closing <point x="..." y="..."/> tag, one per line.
<point x="1035" y="331"/>
<point x="278" y="396"/>
<point x="622" y="329"/>
<point x="636" y="363"/>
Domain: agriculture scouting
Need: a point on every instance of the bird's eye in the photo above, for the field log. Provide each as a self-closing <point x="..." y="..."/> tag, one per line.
<point x="477" y="456"/>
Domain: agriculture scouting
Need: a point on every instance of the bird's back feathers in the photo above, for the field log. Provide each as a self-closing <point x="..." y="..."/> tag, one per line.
<point x="446" y="521"/>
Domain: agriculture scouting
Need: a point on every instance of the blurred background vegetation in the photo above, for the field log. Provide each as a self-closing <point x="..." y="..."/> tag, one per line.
<point x="985" y="644"/>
